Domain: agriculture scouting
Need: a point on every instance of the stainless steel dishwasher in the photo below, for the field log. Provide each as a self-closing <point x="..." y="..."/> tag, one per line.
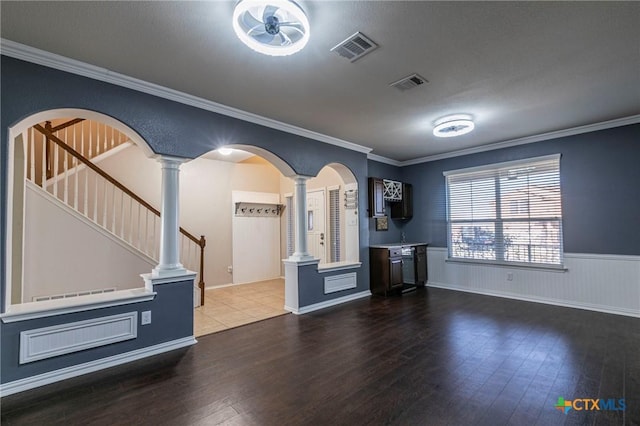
<point x="408" y="268"/>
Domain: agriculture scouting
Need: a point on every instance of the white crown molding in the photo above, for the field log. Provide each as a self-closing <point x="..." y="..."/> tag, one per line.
<point x="633" y="119"/>
<point x="52" y="60"/>
<point x="385" y="160"/>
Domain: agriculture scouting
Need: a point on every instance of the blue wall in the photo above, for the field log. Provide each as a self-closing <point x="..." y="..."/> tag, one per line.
<point x="172" y="319"/>
<point x="600" y="183"/>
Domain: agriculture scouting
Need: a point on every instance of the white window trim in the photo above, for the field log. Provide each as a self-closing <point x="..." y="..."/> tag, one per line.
<point x="524" y="265"/>
<point x="493" y="166"/>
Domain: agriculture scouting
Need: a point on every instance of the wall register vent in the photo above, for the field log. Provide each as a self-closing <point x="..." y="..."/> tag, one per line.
<point x="409" y="82"/>
<point x="355" y="47"/>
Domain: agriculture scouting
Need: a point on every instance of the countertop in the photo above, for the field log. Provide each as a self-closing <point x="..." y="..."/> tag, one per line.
<point x="386" y="246"/>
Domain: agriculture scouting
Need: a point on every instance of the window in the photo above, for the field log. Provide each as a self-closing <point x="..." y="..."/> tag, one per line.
<point x="506" y="213"/>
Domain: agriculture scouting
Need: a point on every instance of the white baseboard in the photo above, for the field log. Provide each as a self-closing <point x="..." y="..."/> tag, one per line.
<point x="585" y="306"/>
<point x="92" y="366"/>
<point x="328" y="303"/>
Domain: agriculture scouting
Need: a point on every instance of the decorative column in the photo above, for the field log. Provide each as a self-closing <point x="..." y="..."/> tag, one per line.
<point x="301" y="251"/>
<point x="169" y="220"/>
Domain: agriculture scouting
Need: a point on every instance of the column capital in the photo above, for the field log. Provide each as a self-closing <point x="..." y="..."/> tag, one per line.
<point x="301" y="178"/>
<point x="171" y="162"/>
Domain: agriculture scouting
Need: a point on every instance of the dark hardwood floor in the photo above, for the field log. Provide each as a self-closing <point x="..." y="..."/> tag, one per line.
<point x="433" y="357"/>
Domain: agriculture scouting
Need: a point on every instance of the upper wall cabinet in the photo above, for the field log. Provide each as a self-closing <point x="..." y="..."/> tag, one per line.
<point x="403" y="209"/>
<point x="376" y="197"/>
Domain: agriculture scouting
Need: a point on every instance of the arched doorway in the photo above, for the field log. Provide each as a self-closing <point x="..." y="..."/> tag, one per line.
<point x="246" y="248"/>
<point x="74" y="232"/>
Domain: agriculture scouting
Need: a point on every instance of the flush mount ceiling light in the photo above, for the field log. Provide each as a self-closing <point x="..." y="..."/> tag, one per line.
<point x="225" y="151"/>
<point x="453" y="125"/>
<point x="271" y="27"/>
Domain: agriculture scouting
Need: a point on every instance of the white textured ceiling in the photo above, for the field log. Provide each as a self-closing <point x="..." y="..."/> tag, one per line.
<point x="520" y="68"/>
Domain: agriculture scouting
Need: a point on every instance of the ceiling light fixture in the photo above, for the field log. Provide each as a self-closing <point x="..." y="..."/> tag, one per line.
<point x="271" y="27"/>
<point x="225" y="151"/>
<point x="453" y="125"/>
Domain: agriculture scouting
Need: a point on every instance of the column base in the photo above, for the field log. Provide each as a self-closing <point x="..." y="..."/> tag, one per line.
<point x="159" y="272"/>
<point x="301" y="257"/>
<point x="151" y="279"/>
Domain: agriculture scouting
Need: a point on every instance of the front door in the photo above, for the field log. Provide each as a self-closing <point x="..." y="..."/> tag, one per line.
<point x="316" y="225"/>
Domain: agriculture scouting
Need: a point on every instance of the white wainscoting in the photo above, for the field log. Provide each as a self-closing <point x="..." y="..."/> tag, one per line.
<point x="47" y="342"/>
<point x="341" y="282"/>
<point x="598" y="282"/>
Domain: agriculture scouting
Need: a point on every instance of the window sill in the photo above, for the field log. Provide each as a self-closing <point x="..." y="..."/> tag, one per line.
<point x="550" y="268"/>
<point x="337" y="266"/>
<point x="48" y="308"/>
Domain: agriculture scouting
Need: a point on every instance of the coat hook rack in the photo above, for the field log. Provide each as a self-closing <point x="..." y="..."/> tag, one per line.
<point x="249" y="209"/>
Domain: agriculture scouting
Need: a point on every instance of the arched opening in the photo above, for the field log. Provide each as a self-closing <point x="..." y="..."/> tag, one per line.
<point x="332" y="216"/>
<point x="67" y="227"/>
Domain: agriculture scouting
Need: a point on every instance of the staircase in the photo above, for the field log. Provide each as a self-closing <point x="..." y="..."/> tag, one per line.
<point x="62" y="159"/>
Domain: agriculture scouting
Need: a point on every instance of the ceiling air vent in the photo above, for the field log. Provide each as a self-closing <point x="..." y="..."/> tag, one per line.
<point x="355" y="47"/>
<point x="404" y="84"/>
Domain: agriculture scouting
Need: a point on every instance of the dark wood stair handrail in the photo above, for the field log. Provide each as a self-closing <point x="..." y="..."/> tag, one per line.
<point x="201" y="242"/>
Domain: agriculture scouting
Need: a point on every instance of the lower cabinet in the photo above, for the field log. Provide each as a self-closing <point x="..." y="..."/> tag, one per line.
<point x="395" y="267"/>
<point x="386" y="269"/>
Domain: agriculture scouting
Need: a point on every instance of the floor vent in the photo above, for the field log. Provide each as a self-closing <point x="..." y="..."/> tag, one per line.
<point x="409" y="82"/>
<point x="72" y="294"/>
<point x="355" y="47"/>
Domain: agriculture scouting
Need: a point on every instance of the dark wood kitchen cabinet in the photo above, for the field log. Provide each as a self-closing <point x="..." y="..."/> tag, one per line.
<point x="376" y="197"/>
<point x="403" y="209"/>
<point x="386" y="269"/>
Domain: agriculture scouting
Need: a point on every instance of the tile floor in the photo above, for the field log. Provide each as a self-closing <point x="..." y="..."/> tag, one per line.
<point x="229" y="307"/>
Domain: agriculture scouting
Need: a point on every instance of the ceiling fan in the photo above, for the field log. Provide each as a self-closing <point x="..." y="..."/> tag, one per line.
<point x="271" y="27"/>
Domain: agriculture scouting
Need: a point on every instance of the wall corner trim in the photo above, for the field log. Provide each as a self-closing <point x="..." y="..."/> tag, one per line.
<point x="92" y="366"/>
<point x="41" y="57"/>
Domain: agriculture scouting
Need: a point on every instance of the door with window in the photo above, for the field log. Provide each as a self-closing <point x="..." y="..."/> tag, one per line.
<point x="316" y="225"/>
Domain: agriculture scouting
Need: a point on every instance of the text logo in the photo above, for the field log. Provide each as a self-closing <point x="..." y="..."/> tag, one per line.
<point x="590" y="404"/>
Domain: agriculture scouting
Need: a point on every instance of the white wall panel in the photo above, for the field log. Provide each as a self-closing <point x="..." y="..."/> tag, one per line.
<point x="600" y="282"/>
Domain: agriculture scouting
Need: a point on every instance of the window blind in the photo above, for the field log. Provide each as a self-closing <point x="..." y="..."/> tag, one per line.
<point x="289" y="225"/>
<point x="508" y="212"/>
<point x="334" y="225"/>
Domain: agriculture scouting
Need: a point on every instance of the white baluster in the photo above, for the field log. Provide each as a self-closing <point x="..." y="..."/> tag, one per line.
<point x="95" y="199"/>
<point x="139" y="239"/>
<point x="32" y="155"/>
<point x="75" y="171"/>
<point x="56" y="149"/>
<point x="104" y="204"/>
<point x="66" y="170"/>
<point x="90" y="141"/>
<point x="122" y="214"/>
<point x="130" y="220"/>
<point x="145" y="246"/>
<point x="113" y="209"/>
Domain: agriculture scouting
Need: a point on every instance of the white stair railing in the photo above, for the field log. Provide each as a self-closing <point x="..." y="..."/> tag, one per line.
<point x="63" y="171"/>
